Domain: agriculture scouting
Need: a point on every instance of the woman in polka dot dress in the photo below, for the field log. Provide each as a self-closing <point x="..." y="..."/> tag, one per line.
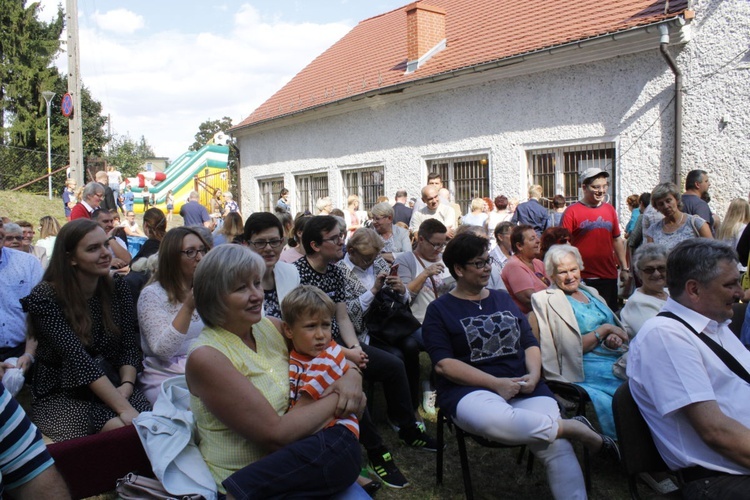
<point x="85" y="325"/>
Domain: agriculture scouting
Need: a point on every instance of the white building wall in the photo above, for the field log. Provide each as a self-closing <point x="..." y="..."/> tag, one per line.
<point x="624" y="99"/>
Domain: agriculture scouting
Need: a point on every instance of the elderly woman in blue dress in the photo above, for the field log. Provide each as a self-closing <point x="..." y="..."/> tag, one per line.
<point x="580" y="336"/>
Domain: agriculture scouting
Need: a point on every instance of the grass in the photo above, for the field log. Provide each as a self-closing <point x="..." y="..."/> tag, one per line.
<point x="494" y="472"/>
<point x="30" y="207"/>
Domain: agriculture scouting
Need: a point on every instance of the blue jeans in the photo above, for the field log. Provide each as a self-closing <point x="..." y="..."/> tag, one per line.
<point x="322" y="465"/>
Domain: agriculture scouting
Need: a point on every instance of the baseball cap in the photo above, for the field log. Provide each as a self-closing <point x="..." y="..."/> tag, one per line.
<point x="590" y="173"/>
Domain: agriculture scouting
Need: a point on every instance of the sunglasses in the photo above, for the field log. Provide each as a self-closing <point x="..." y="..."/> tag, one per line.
<point x="651" y="270"/>
<point x="16" y="238"/>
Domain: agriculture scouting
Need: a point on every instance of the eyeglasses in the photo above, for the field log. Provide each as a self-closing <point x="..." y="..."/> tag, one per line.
<point x="599" y="189"/>
<point x="651" y="270"/>
<point x="481" y="264"/>
<point x="191" y="253"/>
<point x="436" y="246"/>
<point x="335" y="239"/>
<point x="261" y="244"/>
<point x="16" y="238"/>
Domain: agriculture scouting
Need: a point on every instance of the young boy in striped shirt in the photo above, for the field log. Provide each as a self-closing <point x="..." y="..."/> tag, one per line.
<point x="317" y="361"/>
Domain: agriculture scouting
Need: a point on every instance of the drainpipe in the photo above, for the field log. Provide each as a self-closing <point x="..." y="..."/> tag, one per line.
<point x="663" y="44"/>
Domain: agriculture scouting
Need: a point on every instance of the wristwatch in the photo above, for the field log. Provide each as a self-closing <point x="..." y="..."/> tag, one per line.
<point x="598" y="337"/>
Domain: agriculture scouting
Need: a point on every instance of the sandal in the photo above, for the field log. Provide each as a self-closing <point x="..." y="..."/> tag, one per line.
<point x="609" y="446"/>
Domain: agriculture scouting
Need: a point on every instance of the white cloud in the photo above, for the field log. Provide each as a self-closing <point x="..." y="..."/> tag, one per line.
<point x="121" y="21"/>
<point x="164" y="84"/>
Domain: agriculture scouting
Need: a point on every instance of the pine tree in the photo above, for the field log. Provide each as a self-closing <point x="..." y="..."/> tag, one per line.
<point x="28" y="47"/>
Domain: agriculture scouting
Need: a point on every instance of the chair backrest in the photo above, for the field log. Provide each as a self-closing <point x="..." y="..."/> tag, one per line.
<point x="738" y="318"/>
<point x="639" y="453"/>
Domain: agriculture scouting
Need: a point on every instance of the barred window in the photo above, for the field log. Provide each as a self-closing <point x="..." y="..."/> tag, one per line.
<point x="269" y="192"/>
<point x="557" y="169"/>
<point x="309" y="189"/>
<point x="466" y="177"/>
<point x="365" y="182"/>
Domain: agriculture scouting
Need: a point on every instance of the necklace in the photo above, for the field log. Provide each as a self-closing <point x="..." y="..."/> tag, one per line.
<point x="478" y="303"/>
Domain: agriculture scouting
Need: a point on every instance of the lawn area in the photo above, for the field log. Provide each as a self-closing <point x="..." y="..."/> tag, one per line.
<point x="494" y="471"/>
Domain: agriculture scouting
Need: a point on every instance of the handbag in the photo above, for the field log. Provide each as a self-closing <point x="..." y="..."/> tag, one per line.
<point x="388" y="319"/>
<point x="135" y="487"/>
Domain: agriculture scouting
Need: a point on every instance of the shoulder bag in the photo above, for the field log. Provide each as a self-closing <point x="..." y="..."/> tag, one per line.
<point x="388" y="319"/>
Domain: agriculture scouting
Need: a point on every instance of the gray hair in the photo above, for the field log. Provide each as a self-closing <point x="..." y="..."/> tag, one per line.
<point x="696" y="259"/>
<point x="555" y="255"/>
<point x="648" y="252"/>
<point x="194" y="195"/>
<point x="663" y="190"/>
<point x="13" y="228"/>
<point x="91" y="189"/>
<point x="322" y="203"/>
<point x="382" y="210"/>
<point x="218" y="274"/>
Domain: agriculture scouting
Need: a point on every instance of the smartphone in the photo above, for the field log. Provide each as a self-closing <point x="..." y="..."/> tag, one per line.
<point x="394" y="270"/>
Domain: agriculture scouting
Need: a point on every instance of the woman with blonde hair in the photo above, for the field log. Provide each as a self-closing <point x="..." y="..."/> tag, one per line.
<point x="676" y="226"/>
<point x="478" y="215"/>
<point x="230" y="230"/>
<point x="48" y="229"/>
<point x="396" y="239"/>
<point x="735" y="221"/>
<point x="352" y="215"/>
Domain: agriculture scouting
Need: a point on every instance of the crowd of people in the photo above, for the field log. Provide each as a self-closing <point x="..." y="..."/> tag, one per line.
<point x="273" y="323"/>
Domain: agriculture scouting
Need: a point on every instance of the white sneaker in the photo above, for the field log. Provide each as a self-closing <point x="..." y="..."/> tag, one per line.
<point x="428" y="403"/>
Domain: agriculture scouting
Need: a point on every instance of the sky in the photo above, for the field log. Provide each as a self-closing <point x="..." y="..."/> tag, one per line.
<point x="162" y="67"/>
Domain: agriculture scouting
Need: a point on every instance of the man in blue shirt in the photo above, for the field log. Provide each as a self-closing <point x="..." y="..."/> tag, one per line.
<point x="693" y="199"/>
<point x="195" y="214"/>
<point x="19" y="273"/>
<point x="532" y="212"/>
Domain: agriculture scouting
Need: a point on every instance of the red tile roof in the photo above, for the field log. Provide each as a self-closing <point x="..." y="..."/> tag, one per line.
<point x="373" y="54"/>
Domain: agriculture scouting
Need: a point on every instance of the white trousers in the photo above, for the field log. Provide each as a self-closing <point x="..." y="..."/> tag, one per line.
<point x="529" y="421"/>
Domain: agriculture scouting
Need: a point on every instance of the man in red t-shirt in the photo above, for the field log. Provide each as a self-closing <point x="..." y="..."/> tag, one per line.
<point x="596" y="233"/>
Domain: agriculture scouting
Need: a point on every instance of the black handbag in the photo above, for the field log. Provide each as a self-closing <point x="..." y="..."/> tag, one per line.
<point x="388" y="319"/>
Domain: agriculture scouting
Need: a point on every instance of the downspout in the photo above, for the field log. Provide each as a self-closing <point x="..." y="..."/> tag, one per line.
<point x="663" y="44"/>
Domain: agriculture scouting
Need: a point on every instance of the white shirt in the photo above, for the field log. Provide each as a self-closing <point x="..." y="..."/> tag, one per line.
<point x="670" y="368"/>
<point x="496" y="280"/>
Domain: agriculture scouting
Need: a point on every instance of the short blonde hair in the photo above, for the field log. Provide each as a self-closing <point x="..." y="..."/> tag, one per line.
<point x="351" y="199"/>
<point x="365" y="238"/>
<point x="477" y="204"/>
<point x="306" y="301"/>
<point x="322" y="203"/>
<point x="217" y="274"/>
<point x="535" y="191"/>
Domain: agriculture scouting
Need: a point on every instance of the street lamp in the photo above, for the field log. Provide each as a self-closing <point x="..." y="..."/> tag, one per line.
<point x="48" y="95"/>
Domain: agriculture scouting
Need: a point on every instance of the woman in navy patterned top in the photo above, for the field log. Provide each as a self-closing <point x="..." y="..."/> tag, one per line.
<point x="489" y="367"/>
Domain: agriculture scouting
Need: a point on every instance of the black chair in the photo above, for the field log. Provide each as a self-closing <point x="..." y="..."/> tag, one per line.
<point x="637" y="448"/>
<point x="445" y="419"/>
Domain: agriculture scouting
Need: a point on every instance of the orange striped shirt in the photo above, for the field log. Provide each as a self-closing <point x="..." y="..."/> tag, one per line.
<point x="315" y="375"/>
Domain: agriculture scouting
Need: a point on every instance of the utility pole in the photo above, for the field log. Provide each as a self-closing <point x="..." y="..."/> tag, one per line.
<point x="75" y="123"/>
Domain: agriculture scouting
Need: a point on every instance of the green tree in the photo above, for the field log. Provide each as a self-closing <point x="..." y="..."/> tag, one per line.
<point x="27" y="51"/>
<point x="206" y="132"/>
<point x="128" y="155"/>
<point x="207" y="129"/>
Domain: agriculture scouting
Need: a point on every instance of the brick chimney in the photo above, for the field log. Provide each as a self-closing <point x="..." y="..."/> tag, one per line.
<point x="425" y="33"/>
